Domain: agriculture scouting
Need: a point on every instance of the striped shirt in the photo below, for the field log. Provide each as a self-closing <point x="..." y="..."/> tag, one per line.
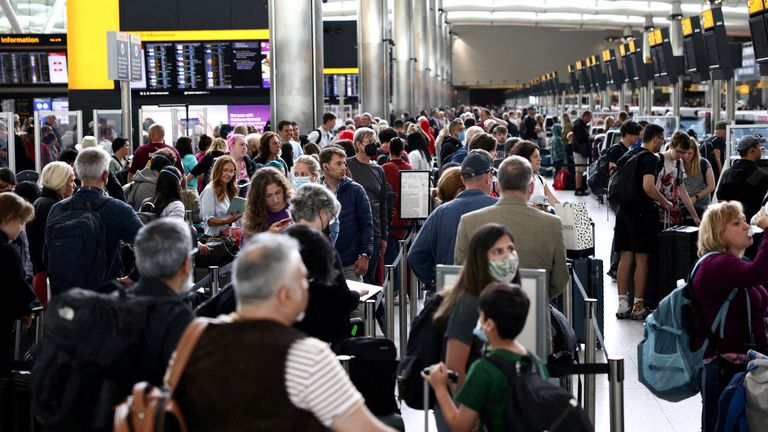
<point x="316" y="382"/>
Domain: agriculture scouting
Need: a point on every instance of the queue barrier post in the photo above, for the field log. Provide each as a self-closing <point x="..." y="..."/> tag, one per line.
<point x="370" y="318"/>
<point x="389" y="301"/>
<point x="589" y="357"/>
<point x="616" y="392"/>
<point x="403" y="308"/>
<point x="214" y="271"/>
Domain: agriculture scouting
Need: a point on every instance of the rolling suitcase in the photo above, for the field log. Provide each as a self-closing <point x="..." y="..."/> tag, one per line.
<point x="676" y="258"/>
<point x="590" y="273"/>
<point x="372" y="371"/>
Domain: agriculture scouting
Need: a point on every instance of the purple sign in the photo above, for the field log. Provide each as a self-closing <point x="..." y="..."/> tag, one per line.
<point x="256" y="115"/>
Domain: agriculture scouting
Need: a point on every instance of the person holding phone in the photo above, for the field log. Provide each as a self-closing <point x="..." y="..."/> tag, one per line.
<point x="266" y="208"/>
<point x="217" y="195"/>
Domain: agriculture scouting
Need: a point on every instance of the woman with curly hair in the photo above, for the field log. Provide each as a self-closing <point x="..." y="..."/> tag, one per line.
<point x="269" y="152"/>
<point x="267" y="207"/>
<point x="215" y="199"/>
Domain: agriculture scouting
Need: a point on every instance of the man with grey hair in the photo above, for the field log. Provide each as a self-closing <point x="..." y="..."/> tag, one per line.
<point x="164" y="259"/>
<point x="537" y="235"/>
<point x="71" y="261"/>
<point x="273" y="376"/>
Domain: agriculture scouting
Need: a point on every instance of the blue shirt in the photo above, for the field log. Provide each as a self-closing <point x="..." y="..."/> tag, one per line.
<point x="437" y="239"/>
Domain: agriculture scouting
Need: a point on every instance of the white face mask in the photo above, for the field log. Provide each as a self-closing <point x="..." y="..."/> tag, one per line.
<point x="299" y="181"/>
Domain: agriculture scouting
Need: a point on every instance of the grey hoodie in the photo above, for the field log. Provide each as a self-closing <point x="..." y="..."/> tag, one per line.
<point x="141" y="188"/>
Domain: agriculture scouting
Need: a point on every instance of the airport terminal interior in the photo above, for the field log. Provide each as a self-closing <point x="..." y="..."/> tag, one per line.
<point x="413" y="215"/>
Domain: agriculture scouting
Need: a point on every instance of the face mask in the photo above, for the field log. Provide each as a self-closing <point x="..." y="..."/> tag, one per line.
<point x="461" y="136"/>
<point x="478" y="331"/>
<point x="505" y="269"/>
<point x="298" y="181"/>
<point x="370" y="150"/>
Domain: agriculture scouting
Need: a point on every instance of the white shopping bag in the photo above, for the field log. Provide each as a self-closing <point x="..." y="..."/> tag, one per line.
<point x="577" y="229"/>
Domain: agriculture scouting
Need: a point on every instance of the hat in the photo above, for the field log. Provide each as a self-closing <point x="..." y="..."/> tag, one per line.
<point x="721" y="125"/>
<point x="476" y="163"/>
<point x="748" y="141"/>
<point x="88" y="141"/>
<point x="347" y="134"/>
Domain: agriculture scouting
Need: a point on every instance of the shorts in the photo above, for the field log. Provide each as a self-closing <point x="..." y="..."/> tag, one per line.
<point x="580" y="162"/>
<point x="637" y="229"/>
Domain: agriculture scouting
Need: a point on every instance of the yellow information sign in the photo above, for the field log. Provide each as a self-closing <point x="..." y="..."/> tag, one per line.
<point x="659" y="38"/>
<point x="623" y="50"/>
<point x="707" y="20"/>
<point x="606" y="56"/>
<point x="578" y="65"/>
<point x="688" y="27"/>
<point x="631" y="46"/>
<point x="755" y="6"/>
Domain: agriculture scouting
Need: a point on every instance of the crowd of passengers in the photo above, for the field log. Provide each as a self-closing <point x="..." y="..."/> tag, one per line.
<point x="323" y="208"/>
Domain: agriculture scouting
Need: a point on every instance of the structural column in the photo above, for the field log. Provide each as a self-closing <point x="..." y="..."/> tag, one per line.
<point x="372" y="57"/>
<point x="431" y="52"/>
<point x="439" y="61"/>
<point x="419" y="51"/>
<point x="296" y="55"/>
<point x="404" y="65"/>
<point x="676" y="40"/>
<point x="647" y="54"/>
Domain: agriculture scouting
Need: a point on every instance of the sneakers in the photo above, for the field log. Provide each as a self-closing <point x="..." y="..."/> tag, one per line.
<point x="612" y="274"/>
<point x="581" y="192"/>
<point x="624" y="310"/>
<point x="639" y="311"/>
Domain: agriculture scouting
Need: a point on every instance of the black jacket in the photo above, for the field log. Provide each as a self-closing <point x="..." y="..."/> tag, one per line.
<point x="36" y="228"/>
<point x="581" y="137"/>
<point x="448" y="148"/>
<point x="745" y="182"/>
<point x="166" y="321"/>
<point x="16" y="296"/>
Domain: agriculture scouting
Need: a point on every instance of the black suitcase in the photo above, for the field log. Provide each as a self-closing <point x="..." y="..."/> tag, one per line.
<point x="590" y="273"/>
<point x="676" y="258"/>
<point x="372" y="371"/>
<point x="15" y="403"/>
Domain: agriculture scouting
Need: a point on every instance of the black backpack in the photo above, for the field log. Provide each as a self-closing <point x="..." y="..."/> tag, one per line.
<point x="599" y="174"/>
<point x="534" y="404"/>
<point x="77" y="250"/>
<point x="425" y="348"/>
<point x="564" y="341"/>
<point x="372" y="371"/>
<point x="87" y="360"/>
<point x="623" y="187"/>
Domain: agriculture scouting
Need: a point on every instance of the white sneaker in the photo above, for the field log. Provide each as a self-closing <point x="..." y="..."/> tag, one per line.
<point x="624" y="309"/>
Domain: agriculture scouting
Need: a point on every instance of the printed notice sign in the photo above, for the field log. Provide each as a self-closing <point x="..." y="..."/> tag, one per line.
<point x="414" y="194"/>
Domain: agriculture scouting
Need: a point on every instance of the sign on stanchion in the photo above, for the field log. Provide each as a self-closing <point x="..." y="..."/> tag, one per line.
<point x="124" y="65"/>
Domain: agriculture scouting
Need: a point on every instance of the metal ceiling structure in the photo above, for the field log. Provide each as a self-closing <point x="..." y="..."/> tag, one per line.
<point x="45" y="16"/>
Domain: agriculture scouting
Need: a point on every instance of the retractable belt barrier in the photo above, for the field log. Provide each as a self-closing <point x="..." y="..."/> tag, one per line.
<point x="614" y="368"/>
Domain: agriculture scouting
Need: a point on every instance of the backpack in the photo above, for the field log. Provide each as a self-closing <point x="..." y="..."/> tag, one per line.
<point x="623" y="187"/>
<point x="372" y="371"/>
<point x="598" y="175"/>
<point x="86" y="362"/>
<point x="77" y="250"/>
<point x="425" y="348"/>
<point x="667" y="365"/>
<point x="564" y="342"/>
<point x="731" y="412"/>
<point x="706" y="149"/>
<point x="533" y="403"/>
<point x="148" y="408"/>
<point x="147" y="213"/>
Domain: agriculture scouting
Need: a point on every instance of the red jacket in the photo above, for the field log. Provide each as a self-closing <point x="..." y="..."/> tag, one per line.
<point x="392" y="173"/>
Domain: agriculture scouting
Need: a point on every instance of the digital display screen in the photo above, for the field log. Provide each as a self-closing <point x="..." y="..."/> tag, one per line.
<point x="22" y="68"/>
<point x="757" y="28"/>
<point x="183" y="67"/>
<point x="332" y="82"/>
<point x="712" y="55"/>
<point x="690" y="55"/>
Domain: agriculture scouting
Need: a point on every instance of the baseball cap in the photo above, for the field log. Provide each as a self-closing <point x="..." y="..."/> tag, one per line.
<point x="721" y="125"/>
<point x="477" y="162"/>
<point x="748" y="141"/>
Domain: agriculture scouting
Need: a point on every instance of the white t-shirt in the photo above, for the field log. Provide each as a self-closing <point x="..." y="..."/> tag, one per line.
<point x="665" y="182"/>
<point x="417" y="161"/>
<point x="316" y="382"/>
<point x="210" y="207"/>
<point x="538" y="188"/>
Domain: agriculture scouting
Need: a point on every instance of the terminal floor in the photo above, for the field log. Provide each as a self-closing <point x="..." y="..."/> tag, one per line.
<point x="642" y="411"/>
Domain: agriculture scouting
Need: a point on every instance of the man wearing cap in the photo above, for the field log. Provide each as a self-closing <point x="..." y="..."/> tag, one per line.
<point x="744" y="181"/>
<point x="713" y="149"/>
<point x="537" y="235"/>
<point x="436" y="241"/>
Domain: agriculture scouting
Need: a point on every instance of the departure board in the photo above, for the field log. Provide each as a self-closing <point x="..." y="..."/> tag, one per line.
<point x="26" y="68"/>
<point x="33" y="60"/>
<point x="213" y="66"/>
<point x="331" y="84"/>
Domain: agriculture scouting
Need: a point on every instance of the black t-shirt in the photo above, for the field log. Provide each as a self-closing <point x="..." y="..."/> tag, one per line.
<point x="615" y="152"/>
<point x="647" y="163"/>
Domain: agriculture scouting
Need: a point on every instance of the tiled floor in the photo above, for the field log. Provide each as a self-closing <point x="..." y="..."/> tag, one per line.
<point x="642" y="411"/>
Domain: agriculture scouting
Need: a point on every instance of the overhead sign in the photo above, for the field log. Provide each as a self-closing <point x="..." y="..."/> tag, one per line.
<point x="118" y="56"/>
<point x="137" y="73"/>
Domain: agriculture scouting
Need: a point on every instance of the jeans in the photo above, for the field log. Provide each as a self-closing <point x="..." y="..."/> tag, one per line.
<point x="717" y="375"/>
<point x="370" y="276"/>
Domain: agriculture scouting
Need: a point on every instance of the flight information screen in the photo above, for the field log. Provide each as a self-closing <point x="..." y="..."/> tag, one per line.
<point x="190" y="67"/>
<point x="22" y="68"/>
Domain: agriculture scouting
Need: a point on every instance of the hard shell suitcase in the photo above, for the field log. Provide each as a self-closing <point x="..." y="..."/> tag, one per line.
<point x="372" y="371"/>
<point x="677" y="256"/>
<point x="590" y="273"/>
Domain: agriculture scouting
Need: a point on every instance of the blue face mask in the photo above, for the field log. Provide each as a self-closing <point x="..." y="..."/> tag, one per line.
<point x="461" y="136"/>
<point x="299" y="181"/>
<point x="478" y="331"/>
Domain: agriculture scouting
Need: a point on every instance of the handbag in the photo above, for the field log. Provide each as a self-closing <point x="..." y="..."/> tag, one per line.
<point x="578" y="230"/>
<point x="150" y="408"/>
<point x="223" y="250"/>
<point x="561" y="180"/>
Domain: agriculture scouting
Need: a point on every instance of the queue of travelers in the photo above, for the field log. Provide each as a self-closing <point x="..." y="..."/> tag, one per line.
<point x="308" y="214"/>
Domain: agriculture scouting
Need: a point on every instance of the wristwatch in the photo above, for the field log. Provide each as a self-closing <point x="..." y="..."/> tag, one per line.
<point x="363" y="255"/>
